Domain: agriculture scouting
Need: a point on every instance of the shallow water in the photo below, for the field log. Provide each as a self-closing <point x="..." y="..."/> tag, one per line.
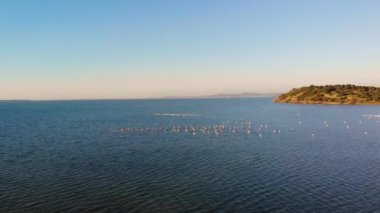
<point x="136" y="156"/>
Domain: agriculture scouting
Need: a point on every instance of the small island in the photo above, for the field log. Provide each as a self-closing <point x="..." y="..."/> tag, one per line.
<point x="332" y="94"/>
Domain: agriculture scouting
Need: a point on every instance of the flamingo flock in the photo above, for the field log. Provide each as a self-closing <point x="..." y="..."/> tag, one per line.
<point x="228" y="128"/>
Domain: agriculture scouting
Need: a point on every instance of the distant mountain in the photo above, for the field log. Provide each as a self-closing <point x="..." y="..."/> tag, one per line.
<point x="238" y="95"/>
<point x="331" y="94"/>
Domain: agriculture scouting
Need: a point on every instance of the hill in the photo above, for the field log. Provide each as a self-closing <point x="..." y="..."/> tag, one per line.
<point x="331" y="94"/>
<point x="216" y="96"/>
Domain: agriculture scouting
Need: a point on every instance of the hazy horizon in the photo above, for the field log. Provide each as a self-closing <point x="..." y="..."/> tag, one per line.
<point x="151" y="49"/>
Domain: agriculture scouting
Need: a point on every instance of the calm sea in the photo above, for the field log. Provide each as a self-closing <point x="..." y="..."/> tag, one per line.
<point x="233" y="155"/>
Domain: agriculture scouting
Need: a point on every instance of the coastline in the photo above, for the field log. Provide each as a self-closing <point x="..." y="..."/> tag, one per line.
<point x="327" y="103"/>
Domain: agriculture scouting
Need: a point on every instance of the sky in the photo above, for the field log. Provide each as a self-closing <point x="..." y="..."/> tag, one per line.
<point x="96" y="49"/>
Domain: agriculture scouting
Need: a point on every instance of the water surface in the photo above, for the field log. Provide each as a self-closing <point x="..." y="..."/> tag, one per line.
<point x="77" y="156"/>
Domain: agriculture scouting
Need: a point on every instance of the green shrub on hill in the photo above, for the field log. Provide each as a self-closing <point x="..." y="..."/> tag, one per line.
<point x="332" y="94"/>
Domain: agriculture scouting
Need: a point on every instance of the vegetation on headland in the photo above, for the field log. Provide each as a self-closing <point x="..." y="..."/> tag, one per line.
<point x="331" y="94"/>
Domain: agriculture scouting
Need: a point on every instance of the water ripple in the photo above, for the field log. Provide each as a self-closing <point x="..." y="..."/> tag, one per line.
<point x="69" y="158"/>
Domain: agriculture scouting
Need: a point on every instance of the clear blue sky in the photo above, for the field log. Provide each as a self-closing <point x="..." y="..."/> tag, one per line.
<point x="151" y="48"/>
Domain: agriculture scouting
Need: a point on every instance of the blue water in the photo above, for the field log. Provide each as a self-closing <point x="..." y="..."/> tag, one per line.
<point x="136" y="156"/>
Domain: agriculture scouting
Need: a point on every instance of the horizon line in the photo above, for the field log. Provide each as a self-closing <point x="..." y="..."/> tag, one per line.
<point x="227" y="96"/>
<point x="121" y="99"/>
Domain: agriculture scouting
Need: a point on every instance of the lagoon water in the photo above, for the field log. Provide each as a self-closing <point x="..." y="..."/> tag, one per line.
<point x="233" y="155"/>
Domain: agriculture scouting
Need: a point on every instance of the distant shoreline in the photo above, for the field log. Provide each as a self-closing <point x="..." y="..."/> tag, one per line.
<point x="131" y="99"/>
<point x="217" y="96"/>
